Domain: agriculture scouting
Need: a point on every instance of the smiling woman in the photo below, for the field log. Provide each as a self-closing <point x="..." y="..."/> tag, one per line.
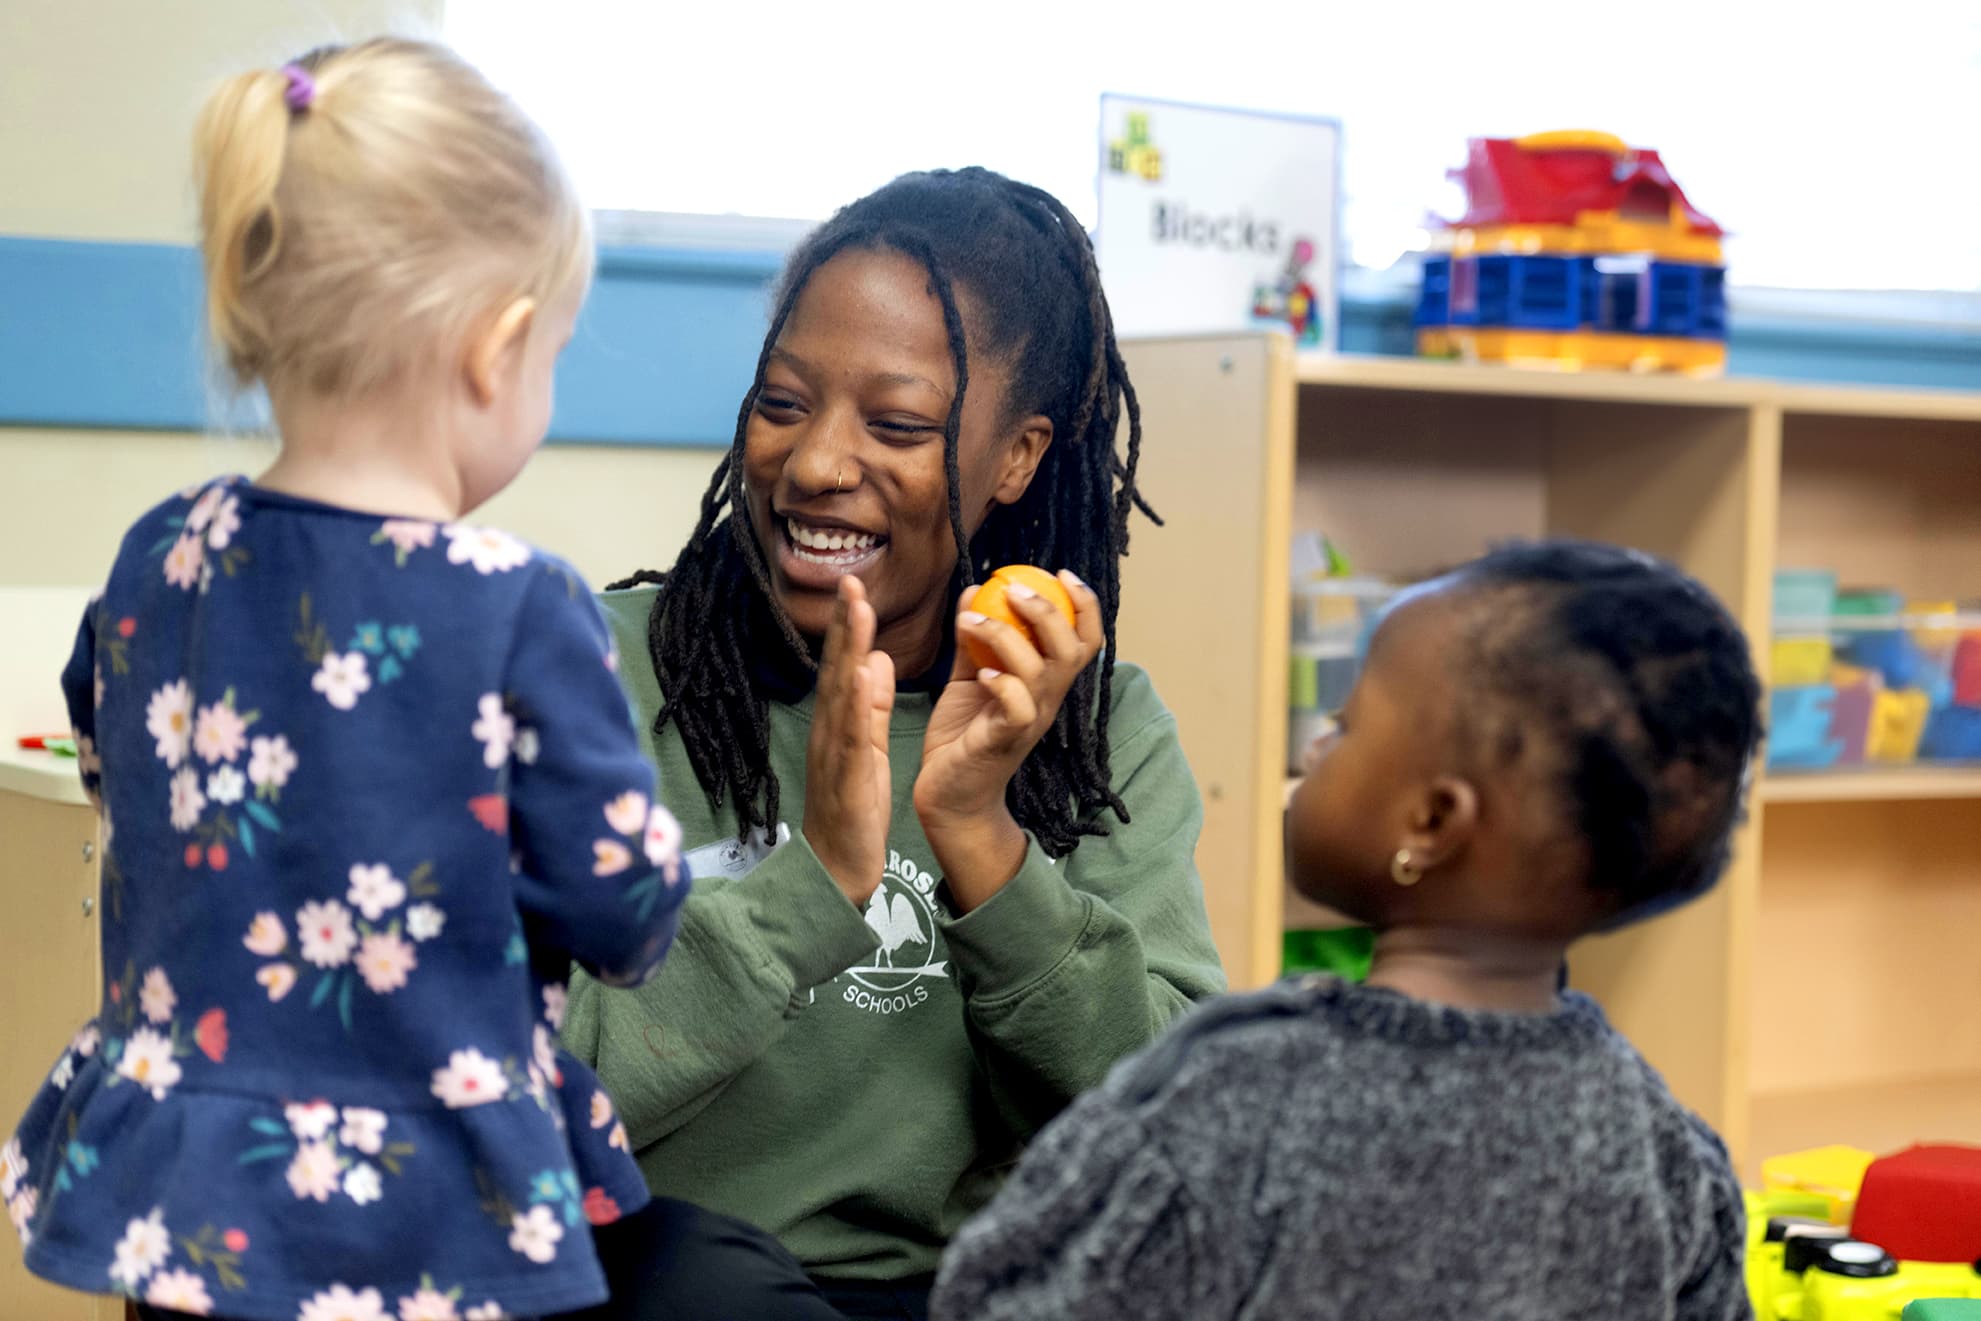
<point x="990" y="894"/>
<point x="832" y="507"/>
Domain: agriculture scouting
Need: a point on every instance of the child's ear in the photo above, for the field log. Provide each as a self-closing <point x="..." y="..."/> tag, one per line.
<point x="1443" y="821"/>
<point x="493" y="353"/>
<point x="1021" y="461"/>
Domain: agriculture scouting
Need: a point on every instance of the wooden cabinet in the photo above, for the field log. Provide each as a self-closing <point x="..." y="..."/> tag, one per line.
<point x="50" y="972"/>
<point x="50" y="975"/>
<point x="1826" y="991"/>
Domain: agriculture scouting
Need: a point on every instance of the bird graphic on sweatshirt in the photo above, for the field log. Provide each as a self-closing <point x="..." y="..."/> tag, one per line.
<point x="893" y="919"/>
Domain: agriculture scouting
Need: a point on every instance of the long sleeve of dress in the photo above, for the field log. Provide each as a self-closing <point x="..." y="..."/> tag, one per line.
<point x="79" y="690"/>
<point x="599" y="867"/>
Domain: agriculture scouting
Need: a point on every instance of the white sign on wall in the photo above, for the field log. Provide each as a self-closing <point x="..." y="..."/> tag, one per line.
<point x="1215" y="220"/>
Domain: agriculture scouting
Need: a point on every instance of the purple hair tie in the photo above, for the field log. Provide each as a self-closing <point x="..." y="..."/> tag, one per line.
<point x="302" y="87"/>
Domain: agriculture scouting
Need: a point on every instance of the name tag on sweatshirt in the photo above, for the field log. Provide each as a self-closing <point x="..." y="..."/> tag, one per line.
<point x="732" y="857"/>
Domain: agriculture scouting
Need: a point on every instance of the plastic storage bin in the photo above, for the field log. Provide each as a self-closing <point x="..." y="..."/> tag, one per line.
<point x="1875" y="681"/>
<point x="1332" y="620"/>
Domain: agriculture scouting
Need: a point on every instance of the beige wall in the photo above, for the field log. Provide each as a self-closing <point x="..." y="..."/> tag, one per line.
<point x="70" y="495"/>
<point x="97" y="100"/>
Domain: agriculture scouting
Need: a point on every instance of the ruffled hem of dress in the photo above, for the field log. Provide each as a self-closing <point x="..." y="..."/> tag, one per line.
<point x="486" y="1200"/>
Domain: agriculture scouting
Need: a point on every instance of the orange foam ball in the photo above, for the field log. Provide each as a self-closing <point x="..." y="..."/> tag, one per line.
<point x="992" y="601"/>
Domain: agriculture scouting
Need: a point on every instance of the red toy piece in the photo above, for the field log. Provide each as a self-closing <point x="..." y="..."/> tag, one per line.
<point x="1923" y="1204"/>
<point x="1507" y="182"/>
<point x="1967" y="671"/>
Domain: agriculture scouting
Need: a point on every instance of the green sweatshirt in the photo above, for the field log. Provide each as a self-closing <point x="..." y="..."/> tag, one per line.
<point x="858" y="1083"/>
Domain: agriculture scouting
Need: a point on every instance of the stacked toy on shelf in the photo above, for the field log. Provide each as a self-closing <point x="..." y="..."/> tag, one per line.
<point x="1837" y="1234"/>
<point x="1575" y="250"/>
<point x="1333" y="613"/>
<point x="1865" y="677"/>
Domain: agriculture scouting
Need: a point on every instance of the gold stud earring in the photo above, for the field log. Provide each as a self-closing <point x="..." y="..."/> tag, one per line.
<point x="1404" y="870"/>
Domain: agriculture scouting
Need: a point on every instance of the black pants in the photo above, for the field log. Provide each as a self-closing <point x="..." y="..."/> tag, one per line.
<point x="896" y="1300"/>
<point x="673" y="1261"/>
<point x="670" y="1261"/>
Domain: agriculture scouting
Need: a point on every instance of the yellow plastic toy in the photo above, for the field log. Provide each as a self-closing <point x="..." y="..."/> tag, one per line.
<point x="1856" y="1281"/>
<point x="1802" y="1264"/>
<point x="1898" y="722"/>
<point x="1935" y="638"/>
<point x="1773" y="1218"/>
<point x="1833" y="1173"/>
<point x="1800" y="662"/>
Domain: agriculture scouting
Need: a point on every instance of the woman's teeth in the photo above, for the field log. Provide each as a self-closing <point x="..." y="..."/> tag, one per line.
<point x="825" y="545"/>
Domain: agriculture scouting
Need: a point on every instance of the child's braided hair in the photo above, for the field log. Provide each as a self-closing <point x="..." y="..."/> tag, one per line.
<point x="1636" y="685"/>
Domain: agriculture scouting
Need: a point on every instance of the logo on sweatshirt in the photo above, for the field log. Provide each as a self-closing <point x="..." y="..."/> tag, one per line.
<point x="902" y="913"/>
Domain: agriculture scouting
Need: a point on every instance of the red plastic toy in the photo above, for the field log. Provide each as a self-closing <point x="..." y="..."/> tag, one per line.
<point x="1923" y="1204"/>
<point x="1508" y="182"/>
<point x="1967" y="671"/>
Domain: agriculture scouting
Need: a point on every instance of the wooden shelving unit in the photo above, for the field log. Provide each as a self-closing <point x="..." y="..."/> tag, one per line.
<point x="1827" y="988"/>
<point x="1897" y="784"/>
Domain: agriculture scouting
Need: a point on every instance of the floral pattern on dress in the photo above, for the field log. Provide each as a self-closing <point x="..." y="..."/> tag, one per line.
<point x="216" y="734"/>
<point x="342" y="678"/>
<point x="471" y="1078"/>
<point x="495" y="729"/>
<point x="602" y="1115"/>
<point x="536" y="1228"/>
<point x="405" y="535"/>
<point x="186" y="686"/>
<point x="430" y="1303"/>
<point x="375" y="655"/>
<point x="114" y="643"/>
<point x="639" y="828"/>
<point x="140" y="1267"/>
<point x="342" y="1303"/>
<point x="345" y="945"/>
<point x="81" y="1047"/>
<point x="20" y="1196"/>
<point x="211" y="524"/>
<point x="329" y="1152"/>
<point x="487" y="549"/>
<point x="169" y="719"/>
<point x="143" y="1039"/>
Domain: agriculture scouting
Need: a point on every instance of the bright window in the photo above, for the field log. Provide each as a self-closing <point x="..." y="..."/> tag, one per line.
<point x="1835" y="143"/>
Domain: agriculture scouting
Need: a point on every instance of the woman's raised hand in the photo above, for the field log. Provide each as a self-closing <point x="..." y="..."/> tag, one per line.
<point x="848" y="795"/>
<point x="986" y="723"/>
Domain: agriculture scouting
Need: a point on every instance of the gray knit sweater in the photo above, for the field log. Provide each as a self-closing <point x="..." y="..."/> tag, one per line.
<point x="1332" y="1151"/>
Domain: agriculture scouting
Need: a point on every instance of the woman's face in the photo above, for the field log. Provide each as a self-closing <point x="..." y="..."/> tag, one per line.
<point x="843" y="456"/>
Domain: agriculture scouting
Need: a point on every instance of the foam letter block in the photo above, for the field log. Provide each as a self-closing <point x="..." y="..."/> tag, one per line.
<point x="1799" y="728"/>
<point x="1898" y="720"/>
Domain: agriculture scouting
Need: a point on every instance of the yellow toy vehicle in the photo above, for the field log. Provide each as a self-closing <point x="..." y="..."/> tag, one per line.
<point x="1854" y="1281"/>
<point x="1803" y="1266"/>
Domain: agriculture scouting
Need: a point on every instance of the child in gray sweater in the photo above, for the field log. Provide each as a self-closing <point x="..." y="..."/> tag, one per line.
<point x="1550" y="742"/>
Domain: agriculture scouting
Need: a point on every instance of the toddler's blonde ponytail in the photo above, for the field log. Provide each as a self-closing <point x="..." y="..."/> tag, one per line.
<point x="366" y="209"/>
<point x="238" y="148"/>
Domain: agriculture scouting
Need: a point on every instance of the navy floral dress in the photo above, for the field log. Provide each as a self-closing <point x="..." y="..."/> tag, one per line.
<point x="367" y="787"/>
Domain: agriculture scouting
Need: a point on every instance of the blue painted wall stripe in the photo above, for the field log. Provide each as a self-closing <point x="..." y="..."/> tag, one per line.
<point x="108" y="335"/>
<point x="101" y="334"/>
